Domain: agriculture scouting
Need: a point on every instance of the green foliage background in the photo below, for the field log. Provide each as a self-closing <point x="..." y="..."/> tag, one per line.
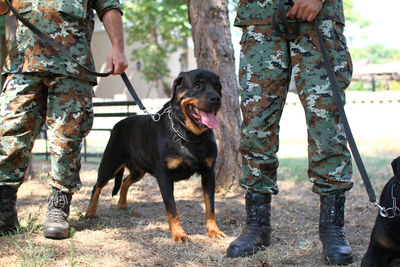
<point x="161" y="27"/>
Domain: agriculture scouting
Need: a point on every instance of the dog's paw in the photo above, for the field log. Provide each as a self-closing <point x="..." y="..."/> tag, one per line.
<point x="180" y="237"/>
<point x="122" y="207"/>
<point x="90" y="215"/>
<point x="122" y="204"/>
<point x="216" y="233"/>
<point x="213" y="230"/>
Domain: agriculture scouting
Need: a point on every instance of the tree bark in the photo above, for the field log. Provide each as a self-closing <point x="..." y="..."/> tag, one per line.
<point x="213" y="50"/>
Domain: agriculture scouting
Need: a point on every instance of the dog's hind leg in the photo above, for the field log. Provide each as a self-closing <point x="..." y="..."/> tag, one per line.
<point x="100" y="184"/>
<point x="134" y="176"/>
<point x="94" y="200"/>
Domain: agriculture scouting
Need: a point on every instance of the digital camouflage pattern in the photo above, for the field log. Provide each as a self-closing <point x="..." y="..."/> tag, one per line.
<point x="28" y="102"/>
<point x="44" y="87"/>
<point x="260" y="12"/>
<point x="266" y="61"/>
<point x="69" y="23"/>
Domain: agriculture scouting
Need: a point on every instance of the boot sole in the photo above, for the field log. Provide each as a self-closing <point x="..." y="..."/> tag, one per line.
<point x="249" y="253"/>
<point x="56" y="235"/>
<point x="339" y="261"/>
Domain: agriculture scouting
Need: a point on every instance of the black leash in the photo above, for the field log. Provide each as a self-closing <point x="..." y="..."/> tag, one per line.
<point x="132" y="91"/>
<point x="340" y="107"/>
<point x="53" y="44"/>
<point x="60" y="48"/>
<point x="280" y="19"/>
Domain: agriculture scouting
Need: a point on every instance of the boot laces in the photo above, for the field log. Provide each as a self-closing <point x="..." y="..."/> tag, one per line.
<point x="56" y="216"/>
<point x="58" y="207"/>
<point x="59" y="200"/>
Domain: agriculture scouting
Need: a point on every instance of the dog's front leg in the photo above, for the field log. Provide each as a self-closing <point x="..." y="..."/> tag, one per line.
<point x="167" y="192"/>
<point x="208" y="183"/>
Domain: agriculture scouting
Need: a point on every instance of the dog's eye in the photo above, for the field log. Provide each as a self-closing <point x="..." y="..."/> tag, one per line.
<point x="196" y="86"/>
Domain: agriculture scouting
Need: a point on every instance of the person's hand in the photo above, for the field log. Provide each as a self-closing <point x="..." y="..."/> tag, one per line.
<point x="117" y="60"/>
<point x="305" y="10"/>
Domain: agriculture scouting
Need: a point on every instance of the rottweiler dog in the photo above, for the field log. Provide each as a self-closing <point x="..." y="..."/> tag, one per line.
<point x="384" y="244"/>
<point x="179" y="144"/>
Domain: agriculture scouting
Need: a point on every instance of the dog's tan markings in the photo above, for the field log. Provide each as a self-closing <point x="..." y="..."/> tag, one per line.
<point x="385" y="243"/>
<point x="177" y="232"/>
<point x="173" y="163"/>
<point x="181" y="95"/>
<point x="94" y="200"/>
<point x="211" y="225"/>
<point x="122" y="202"/>
<point x="134" y="176"/>
<point x="209" y="161"/>
<point x="118" y="169"/>
<point x="189" y="124"/>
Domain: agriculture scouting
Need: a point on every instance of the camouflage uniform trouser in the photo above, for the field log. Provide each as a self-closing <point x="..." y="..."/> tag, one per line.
<point x="27" y="102"/>
<point x="265" y="68"/>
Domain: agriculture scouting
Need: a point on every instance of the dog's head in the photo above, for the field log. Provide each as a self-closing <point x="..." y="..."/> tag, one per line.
<point x="196" y="99"/>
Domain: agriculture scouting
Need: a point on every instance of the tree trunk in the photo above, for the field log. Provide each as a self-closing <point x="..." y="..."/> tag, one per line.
<point x="213" y="50"/>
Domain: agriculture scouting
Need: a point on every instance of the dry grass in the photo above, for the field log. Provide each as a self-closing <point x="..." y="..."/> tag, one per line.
<point x="140" y="236"/>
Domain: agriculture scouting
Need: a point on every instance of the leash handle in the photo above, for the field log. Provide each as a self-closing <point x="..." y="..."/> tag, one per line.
<point x="340" y="106"/>
<point x="132" y="91"/>
<point x="52" y="43"/>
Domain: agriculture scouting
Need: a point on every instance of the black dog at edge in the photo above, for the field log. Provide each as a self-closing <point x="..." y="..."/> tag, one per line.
<point x="180" y="144"/>
<point x="384" y="245"/>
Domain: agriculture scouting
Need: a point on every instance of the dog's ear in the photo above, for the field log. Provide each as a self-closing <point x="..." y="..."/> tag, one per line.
<point x="396" y="167"/>
<point x="177" y="83"/>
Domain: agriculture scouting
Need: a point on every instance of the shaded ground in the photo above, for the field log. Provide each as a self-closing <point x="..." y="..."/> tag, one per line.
<point x="140" y="236"/>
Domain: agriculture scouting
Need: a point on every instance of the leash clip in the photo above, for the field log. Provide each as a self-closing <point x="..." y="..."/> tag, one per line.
<point x="156" y="117"/>
<point x="389" y="213"/>
<point x="382" y="211"/>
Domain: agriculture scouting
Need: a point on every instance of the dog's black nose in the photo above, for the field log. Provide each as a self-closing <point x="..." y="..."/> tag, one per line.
<point x="214" y="98"/>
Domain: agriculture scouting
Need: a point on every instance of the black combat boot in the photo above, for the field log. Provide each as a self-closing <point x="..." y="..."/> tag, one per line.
<point x="8" y="211"/>
<point x="336" y="248"/>
<point x="56" y="225"/>
<point x="257" y="232"/>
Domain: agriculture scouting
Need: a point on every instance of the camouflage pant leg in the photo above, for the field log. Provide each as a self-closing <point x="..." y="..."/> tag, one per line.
<point x="264" y="77"/>
<point x="66" y="105"/>
<point x="69" y="120"/>
<point x="22" y="115"/>
<point x="330" y="167"/>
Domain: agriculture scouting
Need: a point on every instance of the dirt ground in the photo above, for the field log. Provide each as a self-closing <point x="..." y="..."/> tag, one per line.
<point x="140" y="235"/>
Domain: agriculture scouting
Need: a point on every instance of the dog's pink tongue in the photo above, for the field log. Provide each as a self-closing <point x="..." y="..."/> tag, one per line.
<point x="209" y="119"/>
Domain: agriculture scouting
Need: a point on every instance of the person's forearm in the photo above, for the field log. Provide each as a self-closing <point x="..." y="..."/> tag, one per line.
<point x="3" y="7"/>
<point x="116" y="58"/>
<point x="113" y="24"/>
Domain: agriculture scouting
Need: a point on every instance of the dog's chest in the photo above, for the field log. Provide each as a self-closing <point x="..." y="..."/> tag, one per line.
<point x="189" y="160"/>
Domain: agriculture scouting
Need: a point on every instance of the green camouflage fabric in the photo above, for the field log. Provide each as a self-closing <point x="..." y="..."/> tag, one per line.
<point x="69" y="23"/>
<point x="27" y="103"/>
<point x="260" y="12"/>
<point x="266" y="61"/>
<point x="45" y="87"/>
